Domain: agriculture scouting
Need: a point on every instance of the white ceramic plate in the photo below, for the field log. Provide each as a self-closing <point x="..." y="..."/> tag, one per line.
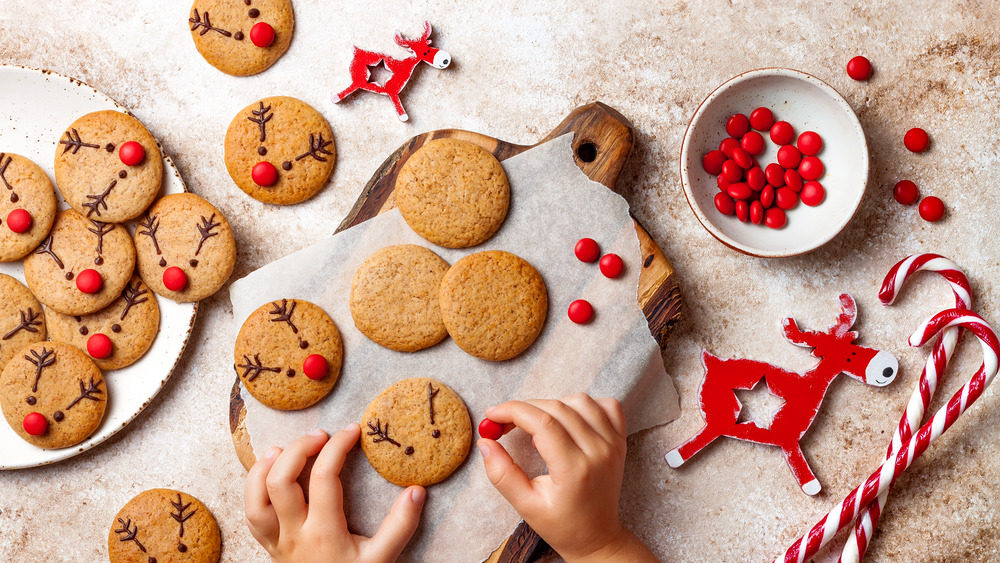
<point x="36" y="108"/>
<point x="808" y="104"/>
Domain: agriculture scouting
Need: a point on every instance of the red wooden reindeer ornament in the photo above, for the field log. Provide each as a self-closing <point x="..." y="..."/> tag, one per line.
<point x="400" y="69"/>
<point x="802" y="392"/>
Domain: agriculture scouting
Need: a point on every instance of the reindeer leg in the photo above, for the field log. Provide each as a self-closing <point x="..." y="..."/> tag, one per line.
<point x="677" y="456"/>
<point x="399" y="107"/>
<point x="800" y="469"/>
<point x="347" y="92"/>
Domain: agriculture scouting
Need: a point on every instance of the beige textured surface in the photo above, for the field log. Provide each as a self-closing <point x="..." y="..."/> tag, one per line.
<point x="519" y="68"/>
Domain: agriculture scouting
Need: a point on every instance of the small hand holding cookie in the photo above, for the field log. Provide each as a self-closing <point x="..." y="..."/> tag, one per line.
<point x="292" y="530"/>
<point x="575" y="506"/>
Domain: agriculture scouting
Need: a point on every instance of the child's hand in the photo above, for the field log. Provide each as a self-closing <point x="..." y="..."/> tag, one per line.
<point x="575" y="507"/>
<point x="291" y="530"/>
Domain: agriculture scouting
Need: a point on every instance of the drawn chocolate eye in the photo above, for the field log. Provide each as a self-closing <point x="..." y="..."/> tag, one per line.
<point x="436" y="433"/>
<point x="84" y="330"/>
<point x="408" y="450"/>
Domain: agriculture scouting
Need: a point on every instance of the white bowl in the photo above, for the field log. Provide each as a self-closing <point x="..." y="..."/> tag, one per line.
<point x="808" y="104"/>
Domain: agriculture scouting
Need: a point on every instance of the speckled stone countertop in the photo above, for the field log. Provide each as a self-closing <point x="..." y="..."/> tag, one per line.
<point x="519" y="68"/>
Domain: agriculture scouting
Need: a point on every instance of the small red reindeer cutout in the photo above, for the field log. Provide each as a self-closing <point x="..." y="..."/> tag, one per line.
<point x="802" y="392"/>
<point x="400" y="69"/>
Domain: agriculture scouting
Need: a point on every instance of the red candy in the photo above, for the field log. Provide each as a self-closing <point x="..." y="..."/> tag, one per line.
<point x="767" y="196"/>
<point x="756" y="213"/>
<point x="742" y="210"/>
<point x="793" y="180"/>
<point x="813" y="193"/>
<point x="722" y="182"/>
<point x="905" y="192"/>
<point x="35" y="424"/>
<point x="580" y="311"/>
<point x="99" y="346"/>
<point x="612" y="265"/>
<point x="262" y="34"/>
<point x="737" y="126"/>
<point x="916" y="140"/>
<point x="732" y="171"/>
<point x="724" y="203"/>
<point x="756" y="179"/>
<point x="264" y="174"/>
<point x="315" y="366"/>
<point x="809" y="143"/>
<point x="789" y="157"/>
<point x="739" y="190"/>
<point x="782" y="133"/>
<point x="131" y="153"/>
<point x="742" y="158"/>
<point x="490" y="430"/>
<point x="19" y="221"/>
<point x="775" y="218"/>
<point x="174" y="279"/>
<point x="811" y="168"/>
<point x="931" y="209"/>
<point x="786" y="198"/>
<point x="712" y="163"/>
<point x="761" y="119"/>
<point x="89" y="281"/>
<point x="587" y="250"/>
<point x="859" y="68"/>
<point x="753" y="143"/>
<point x="775" y="174"/>
<point x="728" y="145"/>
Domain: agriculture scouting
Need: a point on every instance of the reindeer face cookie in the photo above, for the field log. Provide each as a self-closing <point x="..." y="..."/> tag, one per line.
<point x="21" y="320"/>
<point x="82" y="266"/>
<point x="241" y="37"/>
<point x="416" y="432"/>
<point x="27" y="206"/>
<point x="52" y="395"/>
<point x="185" y="248"/>
<point x="280" y="150"/>
<point x="164" y="525"/>
<point x="108" y="166"/>
<point x="288" y="354"/>
<point x="117" y="335"/>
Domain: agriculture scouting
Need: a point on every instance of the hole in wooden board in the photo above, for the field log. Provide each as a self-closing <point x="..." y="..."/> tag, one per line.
<point x="587" y="152"/>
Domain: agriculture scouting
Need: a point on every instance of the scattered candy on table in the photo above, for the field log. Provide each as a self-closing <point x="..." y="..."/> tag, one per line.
<point x="916" y="140"/>
<point x="580" y="311"/>
<point x="612" y="265"/>
<point x="587" y="250"/>
<point x="859" y="68"/>
<point x="931" y="209"/>
<point x="905" y="192"/>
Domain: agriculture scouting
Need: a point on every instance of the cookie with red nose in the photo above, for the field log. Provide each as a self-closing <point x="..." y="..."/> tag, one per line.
<point x="21" y="318"/>
<point x="241" y="37"/>
<point x="27" y="206"/>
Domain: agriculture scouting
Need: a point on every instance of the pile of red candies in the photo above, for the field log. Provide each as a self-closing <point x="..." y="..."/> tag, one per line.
<point x="762" y="195"/>
<point x="587" y="250"/>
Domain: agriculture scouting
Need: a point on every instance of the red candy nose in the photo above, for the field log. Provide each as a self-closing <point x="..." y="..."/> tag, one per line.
<point x="262" y="34"/>
<point x="264" y="174"/>
<point x="315" y="366"/>
<point x="35" y="424"/>
<point x="491" y="430"/>
<point x="19" y="220"/>
<point x="175" y="279"/>
<point x="89" y="281"/>
<point x="131" y="153"/>
<point x="99" y="346"/>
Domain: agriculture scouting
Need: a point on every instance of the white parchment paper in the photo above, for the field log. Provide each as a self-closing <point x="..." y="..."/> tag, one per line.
<point x="553" y="205"/>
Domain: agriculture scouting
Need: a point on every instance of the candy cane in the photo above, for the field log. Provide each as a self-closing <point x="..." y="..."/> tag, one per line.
<point x="944" y="347"/>
<point x="879" y="481"/>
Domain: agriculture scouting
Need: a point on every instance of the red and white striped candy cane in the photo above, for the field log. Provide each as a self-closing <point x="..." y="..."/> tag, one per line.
<point x="944" y="347"/>
<point x="879" y="481"/>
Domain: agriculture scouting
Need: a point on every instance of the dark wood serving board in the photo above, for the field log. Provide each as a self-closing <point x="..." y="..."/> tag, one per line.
<point x="602" y="141"/>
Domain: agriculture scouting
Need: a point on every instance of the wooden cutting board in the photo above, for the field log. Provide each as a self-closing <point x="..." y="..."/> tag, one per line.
<point x="602" y="141"/>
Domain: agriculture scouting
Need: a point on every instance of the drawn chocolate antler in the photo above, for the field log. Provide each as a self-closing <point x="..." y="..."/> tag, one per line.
<point x="383" y="435"/>
<point x="40" y="361"/>
<point x="133" y="296"/>
<point x="130" y="533"/>
<point x="205" y="229"/>
<point x="100" y="229"/>
<point x="180" y="517"/>
<point x="88" y="392"/>
<point x="73" y="142"/>
<point x="28" y="322"/>
<point x="284" y="314"/>
<point x="262" y="117"/>
<point x="98" y="200"/>
<point x="255" y="367"/>
<point x="197" y="21"/>
<point x="150" y="224"/>
<point x="4" y="163"/>
<point x="46" y="248"/>
<point x="316" y="148"/>
<point x="431" y="393"/>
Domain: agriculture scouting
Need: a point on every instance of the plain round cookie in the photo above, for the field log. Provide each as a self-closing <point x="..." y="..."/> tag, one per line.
<point x="24" y="185"/>
<point x="92" y="177"/>
<point x="74" y="245"/>
<point x="395" y="297"/>
<point x="21" y="318"/>
<point x="130" y="322"/>
<point x="292" y="137"/>
<point x="493" y="304"/>
<point x="272" y="346"/>
<point x="221" y="33"/>
<point x="453" y="193"/>
<point x="416" y="432"/>
<point x="163" y="525"/>
<point x="59" y="382"/>
<point x="187" y="232"/>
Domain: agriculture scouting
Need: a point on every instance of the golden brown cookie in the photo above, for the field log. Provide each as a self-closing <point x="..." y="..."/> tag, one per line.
<point x="52" y="395"/>
<point x="241" y="37"/>
<point x="280" y="150"/>
<point x="288" y="354"/>
<point x="494" y="304"/>
<point x="164" y="526"/>
<point x="82" y="266"/>
<point x="100" y="170"/>
<point x="453" y="193"/>
<point x="185" y="248"/>
<point x="416" y="432"/>
<point x="21" y="318"/>
<point x="395" y="298"/>
<point x="27" y="206"/>
<point x="117" y="335"/>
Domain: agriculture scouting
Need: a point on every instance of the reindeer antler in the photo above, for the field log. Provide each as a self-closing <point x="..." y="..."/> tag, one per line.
<point x="88" y="392"/>
<point x="97" y="201"/>
<point x="205" y="230"/>
<point x="29" y="321"/>
<point x="130" y="532"/>
<point x="133" y="296"/>
<point x="845" y="320"/>
<point x="427" y="32"/>
<point x="383" y="434"/>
